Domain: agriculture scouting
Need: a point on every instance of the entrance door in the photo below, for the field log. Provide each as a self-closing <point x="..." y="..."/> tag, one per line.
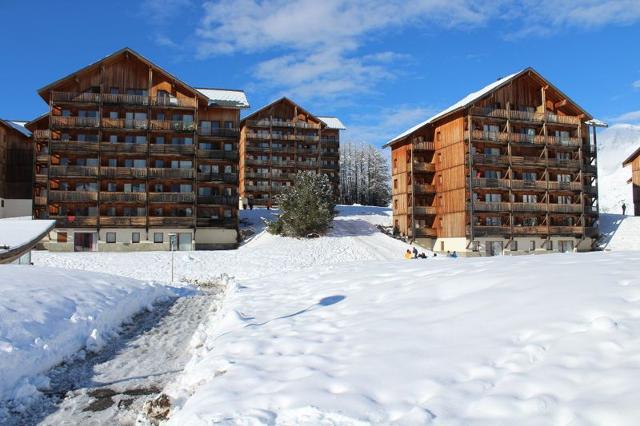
<point x="184" y="241"/>
<point x="494" y="248"/>
<point x="565" y="246"/>
<point x="83" y="241"/>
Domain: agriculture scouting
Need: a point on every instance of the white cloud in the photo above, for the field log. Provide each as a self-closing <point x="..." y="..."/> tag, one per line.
<point x="628" y="117"/>
<point x="636" y="84"/>
<point x="161" y="11"/>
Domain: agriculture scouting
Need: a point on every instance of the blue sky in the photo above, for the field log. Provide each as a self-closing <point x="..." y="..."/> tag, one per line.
<point x="381" y="66"/>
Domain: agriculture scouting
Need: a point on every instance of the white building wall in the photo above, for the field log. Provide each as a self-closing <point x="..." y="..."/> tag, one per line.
<point x="15" y="207"/>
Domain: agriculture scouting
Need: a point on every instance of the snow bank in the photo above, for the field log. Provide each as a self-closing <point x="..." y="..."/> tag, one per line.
<point x="620" y="232"/>
<point x="514" y="340"/>
<point x="48" y="315"/>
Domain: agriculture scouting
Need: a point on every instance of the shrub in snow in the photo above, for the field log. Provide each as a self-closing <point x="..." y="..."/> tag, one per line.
<point x="306" y="208"/>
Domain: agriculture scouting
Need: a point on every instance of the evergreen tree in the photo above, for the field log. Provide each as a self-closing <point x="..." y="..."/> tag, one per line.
<point x="307" y="207"/>
<point x="364" y="175"/>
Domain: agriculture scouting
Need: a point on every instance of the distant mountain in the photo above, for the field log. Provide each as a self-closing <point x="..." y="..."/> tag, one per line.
<point x="614" y="145"/>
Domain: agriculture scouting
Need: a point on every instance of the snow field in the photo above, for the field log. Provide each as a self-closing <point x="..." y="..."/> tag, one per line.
<point x="528" y="340"/>
<point x="48" y="315"/>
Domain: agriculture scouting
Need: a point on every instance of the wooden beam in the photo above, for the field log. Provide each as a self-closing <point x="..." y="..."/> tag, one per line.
<point x="561" y="103"/>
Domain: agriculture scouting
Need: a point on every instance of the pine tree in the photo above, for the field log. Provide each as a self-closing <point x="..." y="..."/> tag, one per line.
<point x="364" y="175"/>
<point x="307" y="207"/>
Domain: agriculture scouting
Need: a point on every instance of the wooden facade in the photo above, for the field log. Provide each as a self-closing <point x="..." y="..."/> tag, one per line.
<point x="127" y="145"/>
<point x="513" y="163"/>
<point x="278" y="141"/>
<point x="634" y="162"/>
<point x="16" y="164"/>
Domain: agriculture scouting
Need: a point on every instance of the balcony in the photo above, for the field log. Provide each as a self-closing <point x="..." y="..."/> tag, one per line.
<point x="528" y="116"/>
<point x="490" y="183"/>
<point x="42" y="158"/>
<point x="528" y="207"/>
<point x="564" y="164"/>
<point x="330" y="166"/>
<point x="523" y="139"/>
<point x="123" y="197"/>
<point x="565" y="230"/>
<point x="224" y="200"/>
<point x="74" y="171"/>
<point x="257" y="188"/>
<point x="530" y="230"/>
<point x="218" y="177"/>
<point x="160" y="149"/>
<point x="123" y="148"/>
<point x="171" y="173"/>
<point x="73" y="97"/>
<point x="42" y="178"/>
<point x="124" y="124"/>
<point x="256" y="148"/>
<point x="484" y="230"/>
<point x="170" y="221"/>
<point x="58" y="121"/>
<point x="565" y="186"/>
<point x="424" y="146"/>
<point x="421" y="166"/>
<point x="490" y="206"/>
<point x="528" y="161"/>
<point x="124" y="99"/>
<point x="41" y="134"/>
<point x="219" y="133"/>
<point x="332" y="154"/>
<point x="424" y="210"/>
<point x="257" y="175"/>
<point x="424" y="188"/>
<point x="529" y="184"/>
<point x="171" y="197"/>
<point x="229" y="222"/>
<point x="73" y="196"/>
<point x="258" y="135"/>
<point x="123" y="221"/>
<point x="172" y="126"/>
<point x="490" y="159"/>
<point x="75" y="147"/>
<point x="426" y="232"/>
<point x="281" y="149"/>
<point x="72" y="221"/>
<point x="589" y="169"/>
<point x="218" y="154"/>
<point x="256" y="162"/>
<point x="123" y="172"/>
<point x="40" y="200"/>
<point x="173" y="102"/>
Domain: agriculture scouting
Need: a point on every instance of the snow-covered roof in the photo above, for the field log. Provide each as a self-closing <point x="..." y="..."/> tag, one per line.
<point x="333" y="122"/>
<point x="225" y="97"/>
<point x="460" y="104"/>
<point x="19" y="126"/>
<point x="18" y="235"/>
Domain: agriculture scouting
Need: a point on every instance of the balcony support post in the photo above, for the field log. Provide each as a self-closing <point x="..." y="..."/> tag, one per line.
<point x="471" y="213"/>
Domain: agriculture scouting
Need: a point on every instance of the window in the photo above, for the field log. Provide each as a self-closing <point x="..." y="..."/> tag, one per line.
<point x="514" y="246"/>
<point x="228" y="124"/>
<point x="493" y="198"/>
<point x="395" y="184"/>
<point x="490" y="131"/>
<point x="395" y="163"/>
<point x="532" y="245"/>
<point x="113" y="115"/>
<point x="529" y="198"/>
<point x="493" y="221"/>
<point x="135" y="237"/>
<point x="111" y="237"/>
<point x="62" y="236"/>
<point x="395" y="204"/>
<point x="158" y="237"/>
<point x="113" y="138"/>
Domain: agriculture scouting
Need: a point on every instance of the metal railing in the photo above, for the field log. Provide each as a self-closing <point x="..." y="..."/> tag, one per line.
<point x="123" y="196"/>
<point x="73" y="196"/>
<point x="123" y="172"/>
<point x="74" y="171"/>
<point x="171" y="197"/>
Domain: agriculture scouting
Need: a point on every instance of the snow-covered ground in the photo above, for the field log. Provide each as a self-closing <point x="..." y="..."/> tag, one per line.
<point x="47" y="315"/>
<point x="342" y="330"/>
<point x="621" y="233"/>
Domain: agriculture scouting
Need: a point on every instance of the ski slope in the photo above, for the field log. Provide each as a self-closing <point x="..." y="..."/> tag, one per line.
<point x="620" y="232"/>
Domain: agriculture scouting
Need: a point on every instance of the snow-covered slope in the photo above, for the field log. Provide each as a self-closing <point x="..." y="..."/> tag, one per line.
<point x="529" y="340"/>
<point x="615" y="144"/>
<point x="621" y="233"/>
<point x="47" y="315"/>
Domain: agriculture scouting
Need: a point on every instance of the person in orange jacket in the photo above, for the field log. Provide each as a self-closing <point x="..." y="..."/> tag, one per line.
<point x="408" y="254"/>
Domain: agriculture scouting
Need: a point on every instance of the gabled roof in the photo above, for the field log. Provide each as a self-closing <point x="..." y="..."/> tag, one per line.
<point x="282" y="99"/>
<point x="333" y="123"/>
<point x="632" y="157"/>
<point x="29" y="124"/>
<point x="476" y="96"/>
<point x="225" y="97"/>
<point x="122" y="51"/>
<point x="17" y="126"/>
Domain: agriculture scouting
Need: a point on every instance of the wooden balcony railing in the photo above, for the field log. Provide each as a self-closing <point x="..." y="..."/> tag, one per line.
<point x="426" y="232"/>
<point x="41" y="134"/>
<point x="173" y="101"/>
<point x="490" y="159"/>
<point x="529" y="184"/>
<point x="520" y="138"/>
<point x="42" y="178"/>
<point x="490" y="206"/>
<point x="171" y="173"/>
<point x="123" y="220"/>
<point x="565" y="230"/>
<point x="73" y="97"/>
<point x="230" y="222"/>
<point x="123" y="123"/>
<point x="171" y="149"/>
<point x="218" y="154"/>
<point x="257" y="148"/>
<point x="424" y="146"/>
<point x="528" y="207"/>
<point x="171" y="197"/>
<point x="72" y="221"/>
<point x="258" y="135"/>
<point x="73" y="146"/>
<point x="124" y="172"/>
<point x="40" y="200"/>
<point x="74" y="122"/>
<point x="330" y="153"/>
<point x="562" y="163"/>
<point x="170" y="221"/>
<point x="567" y="186"/>
<point x="256" y="162"/>
<point x="257" y="175"/>
<point x="74" y="171"/>
<point x="119" y="147"/>
<point x="424" y="188"/>
<point x="279" y="149"/>
<point x="530" y="116"/>
<point x="483" y="230"/>
<point x="219" y="133"/>
<point x="218" y="177"/>
<point x="73" y="196"/>
<point x="530" y="230"/>
<point x="123" y="197"/>
<point x="42" y="158"/>
<point x="424" y="210"/>
<point x="175" y="126"/>
<point x="122" y="98"/>
<point x="258" y="188"/>
<point x="218" y="200"/>
<point x="490" y="183"/>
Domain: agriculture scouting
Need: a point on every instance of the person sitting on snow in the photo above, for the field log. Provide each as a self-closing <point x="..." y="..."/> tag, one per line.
<point x="454" y="254"/>
<point x="408" y="255"/>
<point x="415" y="253"/>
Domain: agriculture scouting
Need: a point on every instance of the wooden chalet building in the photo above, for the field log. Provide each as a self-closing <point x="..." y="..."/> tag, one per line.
<point x="278" y="141"/>
<point x="508" y="169"/>
<point x="16" y="169"/>
<point x="634" y="162"/>
<point x="129" y="154"/>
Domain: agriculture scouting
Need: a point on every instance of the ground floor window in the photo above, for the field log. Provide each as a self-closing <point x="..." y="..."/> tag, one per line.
<point x="62" y="237"/>
<point x="514" y="246"/>
<point x="135" y="237"/>
<point x="158" y="237"/>
<point x="111" y="237"/>
<point x="532" y="245"/>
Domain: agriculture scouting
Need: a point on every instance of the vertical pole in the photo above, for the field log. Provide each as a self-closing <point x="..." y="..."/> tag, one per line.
<point x="469" y="132"/>
<point x="413" y="194"/>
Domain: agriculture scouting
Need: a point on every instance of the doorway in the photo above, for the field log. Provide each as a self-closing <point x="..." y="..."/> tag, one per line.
<point x="84" y="241"/>
<point x="494" y="248"/>
<point x="184" y="241"/>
